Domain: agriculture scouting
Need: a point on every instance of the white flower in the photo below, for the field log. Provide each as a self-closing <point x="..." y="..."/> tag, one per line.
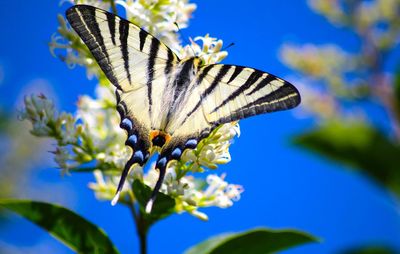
<point x="106" y="186"/>
<point x="160" y="18"/>
<point x="210" y="52"/>
<point x="212" y="150"/>
<point x="74" y="53"/>
<point x="40" y="111"/>
<point x="64" y="159"/>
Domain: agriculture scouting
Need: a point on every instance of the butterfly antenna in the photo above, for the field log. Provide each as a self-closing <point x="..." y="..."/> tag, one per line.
<point x="190" y="42"/>
<point x="161" y="166"/>
<point x="226" y="47"/>
<point x="125" y="172"/>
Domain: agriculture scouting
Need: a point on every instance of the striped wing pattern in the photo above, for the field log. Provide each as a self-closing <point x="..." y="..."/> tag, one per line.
<point x="227" y="93"/>
<point x="156" y="91"/>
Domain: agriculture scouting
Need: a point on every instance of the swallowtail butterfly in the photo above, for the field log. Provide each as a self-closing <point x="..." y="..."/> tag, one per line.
<point x="166" y="101"/>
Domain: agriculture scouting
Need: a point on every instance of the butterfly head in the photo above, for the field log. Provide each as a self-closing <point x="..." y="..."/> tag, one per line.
<point x="196" y="61"/>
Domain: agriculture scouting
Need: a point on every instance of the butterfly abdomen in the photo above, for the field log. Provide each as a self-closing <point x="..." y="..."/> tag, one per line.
<point x="179" y="88"/>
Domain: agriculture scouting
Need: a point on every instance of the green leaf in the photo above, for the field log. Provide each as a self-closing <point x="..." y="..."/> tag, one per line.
<point x="66" y="226"/>
<point x="371" y="249"/>
<point x="256" y="241"/>
<point x="359" y="146"/>
<point x="163" y="206"/>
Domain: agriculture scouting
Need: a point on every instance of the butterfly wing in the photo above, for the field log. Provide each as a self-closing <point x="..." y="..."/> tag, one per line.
<point x="226" y="93"/>
<point x="136" y="63"/>
<point x="242" y="92"/>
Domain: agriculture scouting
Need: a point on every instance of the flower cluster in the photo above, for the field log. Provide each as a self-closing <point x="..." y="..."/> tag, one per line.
<point x="378" y="18"/>
<point x="91" y="139"/>
<point x="161" y="18"/>
<point x="328" y="65"/>
<point x="336" y="78"/>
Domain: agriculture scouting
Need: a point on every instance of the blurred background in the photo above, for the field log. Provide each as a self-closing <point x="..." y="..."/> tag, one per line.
<point x="333" y="164"/>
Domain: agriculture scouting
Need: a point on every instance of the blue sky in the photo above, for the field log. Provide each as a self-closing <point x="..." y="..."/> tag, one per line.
<point x="285" y="187"/>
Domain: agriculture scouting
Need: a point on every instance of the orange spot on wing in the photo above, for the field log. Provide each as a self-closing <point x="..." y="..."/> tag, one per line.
<point x="154" y="133"/>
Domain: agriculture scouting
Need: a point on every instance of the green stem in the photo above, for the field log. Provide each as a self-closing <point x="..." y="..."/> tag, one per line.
<point x="142" y="232"/>
<point x="113" y="7"/>
<point x="141" y="225"/>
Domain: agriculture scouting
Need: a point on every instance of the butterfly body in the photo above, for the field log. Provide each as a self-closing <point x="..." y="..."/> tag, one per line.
<point x="165" y="103"/>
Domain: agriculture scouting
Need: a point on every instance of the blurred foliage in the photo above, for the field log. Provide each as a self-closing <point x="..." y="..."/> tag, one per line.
<point x="343" y="90"/>
<point x="358" y="145"/>
<point x="16" y="154"/>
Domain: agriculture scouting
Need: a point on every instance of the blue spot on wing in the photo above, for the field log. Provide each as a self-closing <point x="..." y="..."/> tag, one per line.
<point x="132" y="140"/>
<point x="191" y="144"/>
<point x="126" y="124"/>
<point x="138" y="156"/>
<point x="162" y="163"/>
<point x="176" y="153"/>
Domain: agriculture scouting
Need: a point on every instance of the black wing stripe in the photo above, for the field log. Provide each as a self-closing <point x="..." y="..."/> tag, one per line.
<point x="221" y="74"/>
<point x="142" y="38"/>
<point x="285" y="97"/>
<point x="94" y="30"/>
<point x="236" y="72"/>
<point x="199" y="80"/>
<point x="264" y="82"/>
<point x="111" y="25"/>
<point x="123" y="37"/>
<point x="254" y="76"/>
<point x="81" y="20"/>
<point x="154" y="46"/>
<point x="169" y="63"/>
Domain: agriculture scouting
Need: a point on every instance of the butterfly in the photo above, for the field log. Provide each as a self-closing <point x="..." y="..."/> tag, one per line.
<point x="168" y="102"/>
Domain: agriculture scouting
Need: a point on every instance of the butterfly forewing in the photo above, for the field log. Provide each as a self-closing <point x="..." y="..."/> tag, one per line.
<point x="243" y="92"/>
<point x="133" y="60"/>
